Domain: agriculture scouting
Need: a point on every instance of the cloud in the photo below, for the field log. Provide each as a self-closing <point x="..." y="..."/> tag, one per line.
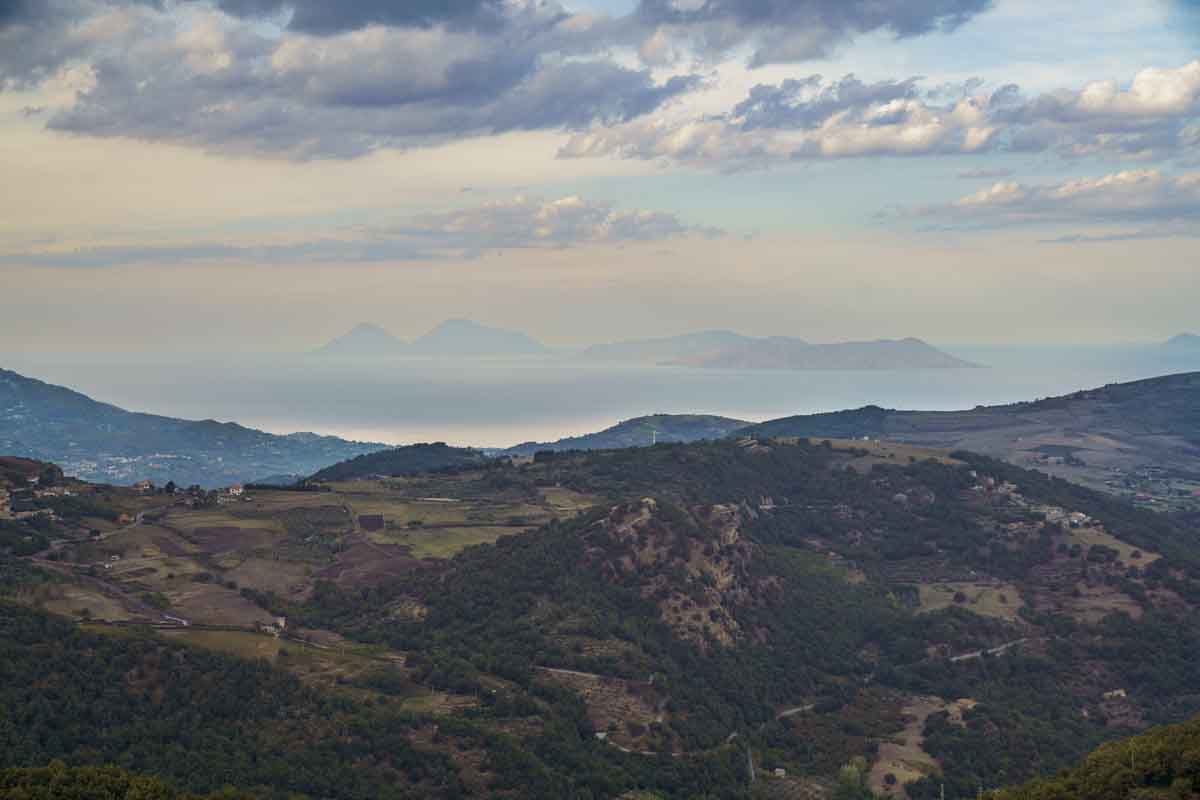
<point x="803" y="119"/>
<point x="207" y="79"/>
<point x="1156" y="116"/>
<point x="516" y="223"/>
<point x="1122" y="198"/>
<point x="323" y="17"/>
<point x="809" y="102"/>
<point x="984" y="174"/>
<point x="224" y="87"/>
<point x="781" y="31"/>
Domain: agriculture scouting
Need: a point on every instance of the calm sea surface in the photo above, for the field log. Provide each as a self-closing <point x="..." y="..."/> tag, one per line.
<point x="500" y="403"/>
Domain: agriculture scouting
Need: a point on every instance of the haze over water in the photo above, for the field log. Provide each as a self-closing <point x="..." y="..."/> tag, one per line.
<point x="498" y="403"/>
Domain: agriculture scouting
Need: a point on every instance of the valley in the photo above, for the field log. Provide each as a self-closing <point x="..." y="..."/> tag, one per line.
<point x="809" y="604"/>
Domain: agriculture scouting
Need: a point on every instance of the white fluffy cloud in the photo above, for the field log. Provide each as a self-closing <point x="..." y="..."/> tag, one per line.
<point x="1131" y="197"/>
<point x="1156" y="116"/>
<point x="515" y="223"/>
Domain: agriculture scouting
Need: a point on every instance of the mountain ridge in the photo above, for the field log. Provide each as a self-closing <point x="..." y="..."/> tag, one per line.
<point x="638" y="432"/>
<point x="453" y="338"/>
<point x="102" y="442"/>
<point x="722" y="349"/>
<point x="1104" y="438"/>
<point x="1188" y="342"/>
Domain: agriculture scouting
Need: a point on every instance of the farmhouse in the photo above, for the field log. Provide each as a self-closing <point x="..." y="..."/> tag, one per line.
<point x="237" y="490"/>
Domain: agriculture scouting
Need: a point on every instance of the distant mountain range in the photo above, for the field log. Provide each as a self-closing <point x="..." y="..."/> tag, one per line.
<point x="102" y="443"/>
<point x="729" y="350"/>
<point x="640" y="432"/>
<point x="714" y="349"/>
<point x="455" y="338"/>
<point x="1184" y="342"/>
<point x="667" y="349"/>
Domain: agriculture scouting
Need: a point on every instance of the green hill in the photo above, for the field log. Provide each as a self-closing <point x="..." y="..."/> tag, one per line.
<point x="640" y="432"/>
<point x="649" y="619"/>
<point x="1139" y="438"/>
<point x="100" y="442"/>
<point x="1163" y="763"/>
<point x="398" y="461"/>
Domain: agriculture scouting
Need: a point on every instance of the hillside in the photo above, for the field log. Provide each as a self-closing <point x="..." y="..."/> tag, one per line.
<point x="1161" y="764"/>
<point x="1136" y="439"/>
<point x="639" y="432"/>
<point x="589" y="624"/>
<point x="398" y="461"/>
<point x="101" y="442"/>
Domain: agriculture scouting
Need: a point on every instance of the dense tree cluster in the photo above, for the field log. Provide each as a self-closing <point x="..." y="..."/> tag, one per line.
<point x="1162" y="764"/>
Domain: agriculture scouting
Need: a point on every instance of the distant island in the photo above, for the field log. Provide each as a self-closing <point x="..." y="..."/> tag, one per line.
<point x="729" y="350"/>
<point x="455" y="338"/>
<point x="711" y="349"/>
<point x="1184" y="342"/>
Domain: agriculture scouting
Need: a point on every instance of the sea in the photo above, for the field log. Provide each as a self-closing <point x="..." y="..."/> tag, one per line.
<point x="499" y="403"/>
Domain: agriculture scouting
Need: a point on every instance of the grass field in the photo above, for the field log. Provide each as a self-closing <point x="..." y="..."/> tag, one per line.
<point x="444" y="542"/>
<point x="1000" y="601"/>
<point x="70" y="600"/>
<point x="568" y="501"/>
<point x="402" y="512"/>
<point x="889" y="453"/>
<point x="904" y="756"/>
<point x="267" y="574"/>
<point x="1086" y="537"/>
<point x="189" y="521"/>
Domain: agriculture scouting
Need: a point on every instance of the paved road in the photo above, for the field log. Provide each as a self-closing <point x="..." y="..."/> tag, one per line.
<point x="995" y="651"/>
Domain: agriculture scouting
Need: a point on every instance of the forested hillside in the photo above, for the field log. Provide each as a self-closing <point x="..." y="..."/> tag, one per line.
<point x="401" y="461"/>
<point x="750" y="617"/>
<point x="100" y="442"/>
<point x="1162" y="764"/>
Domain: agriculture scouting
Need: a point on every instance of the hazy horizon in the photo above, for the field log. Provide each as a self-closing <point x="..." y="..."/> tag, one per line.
<point x="224" y="175"/>
<point x="503" y="402"/>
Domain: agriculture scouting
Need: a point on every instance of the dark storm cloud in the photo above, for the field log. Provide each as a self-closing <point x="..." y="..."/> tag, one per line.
<point x="302" y="116"/>
<point x="904" y="17"/>
<point x="324" y="17"/>
<point x="797" y="30"/>
<point x="35" y="40"/>
<point x="809" y="102"/>
<point x="227" y="86"/>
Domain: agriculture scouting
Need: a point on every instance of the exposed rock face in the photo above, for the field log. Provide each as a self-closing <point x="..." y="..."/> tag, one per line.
<point x="694" y="565"/>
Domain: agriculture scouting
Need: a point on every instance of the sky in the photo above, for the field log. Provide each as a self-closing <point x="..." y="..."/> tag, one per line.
<point x="198" y="175"/>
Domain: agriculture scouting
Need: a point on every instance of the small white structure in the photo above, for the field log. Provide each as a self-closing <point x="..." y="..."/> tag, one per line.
<point x="237" y="490"/>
